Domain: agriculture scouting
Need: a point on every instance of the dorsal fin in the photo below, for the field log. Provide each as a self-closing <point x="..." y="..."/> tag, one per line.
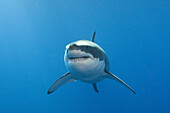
<point x="92" y="38"/>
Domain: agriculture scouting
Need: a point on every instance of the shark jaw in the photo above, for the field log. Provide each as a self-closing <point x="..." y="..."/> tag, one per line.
<point x="83" y="66"/>
<point x="82" y="58"/>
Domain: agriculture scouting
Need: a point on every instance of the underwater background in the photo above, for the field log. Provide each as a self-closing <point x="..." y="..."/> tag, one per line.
<point x="135" y="34"/>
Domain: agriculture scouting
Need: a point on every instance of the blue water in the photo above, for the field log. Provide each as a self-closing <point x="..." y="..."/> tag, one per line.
<point x="135" y="35"/>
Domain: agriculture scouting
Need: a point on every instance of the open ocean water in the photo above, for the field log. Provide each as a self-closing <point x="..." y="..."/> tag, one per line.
<point x="135" y="34"/>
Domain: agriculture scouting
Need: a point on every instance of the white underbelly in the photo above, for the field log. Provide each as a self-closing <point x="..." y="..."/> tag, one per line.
<point x="89" y="70"/>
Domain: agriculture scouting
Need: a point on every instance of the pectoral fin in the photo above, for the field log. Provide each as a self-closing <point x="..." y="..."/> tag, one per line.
<point x="61" y="81"/>
<point x="112" y="76"/>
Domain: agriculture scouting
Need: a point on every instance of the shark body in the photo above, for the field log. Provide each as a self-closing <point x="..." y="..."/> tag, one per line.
<point x="86" y="61"/>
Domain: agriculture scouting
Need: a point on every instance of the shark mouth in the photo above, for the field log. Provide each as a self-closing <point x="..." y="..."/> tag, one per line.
<point x="79" y="58"/>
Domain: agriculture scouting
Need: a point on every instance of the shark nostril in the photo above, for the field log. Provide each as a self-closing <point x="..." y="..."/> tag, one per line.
<point x="73" y="46"/>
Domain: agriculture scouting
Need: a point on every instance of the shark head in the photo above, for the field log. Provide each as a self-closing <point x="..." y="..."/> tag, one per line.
<point x="84" y="58"/>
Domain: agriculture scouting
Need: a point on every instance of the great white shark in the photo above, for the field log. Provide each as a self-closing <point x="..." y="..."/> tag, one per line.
<point x="86" y="61"/>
